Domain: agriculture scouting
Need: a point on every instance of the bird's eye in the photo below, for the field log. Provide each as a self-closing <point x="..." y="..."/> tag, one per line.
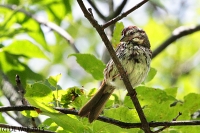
<point x="131" y="33"/>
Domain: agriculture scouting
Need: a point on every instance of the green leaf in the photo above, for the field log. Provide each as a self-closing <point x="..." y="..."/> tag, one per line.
<point x="68" y="122"/>
<point x="172" y="91"/>
<point x="102" y="127"/>
<point x="53" y="80"/>
<point x="9" y="62"/>
<point x="151" y="75"/>
<point x="40" y="96"/>
<point x="36" y="32"/>
<point x="92" y="92"/>
<point x="14" y="2"/>
<point x="68" y="8"/>
<point x="158" y="102"/>
<point x="190" y="105"/>
<point x="91" y="65"/>
<point x="49" y="124"/>
<point x="155" y="103"/>
<point x="11" y="66"/>
<point x="11" y="33"/>
<point x="25" y="48"/>
<point x="117" y="34"/>
<point x="186" y="129"/>
<point x="123" y="114"/>
<point x="58" y="15"/>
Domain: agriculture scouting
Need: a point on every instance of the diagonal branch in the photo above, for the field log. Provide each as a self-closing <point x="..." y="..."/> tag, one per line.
<point x="120" y="68"/>
<point x="97" y="10"/>
<point x="118" y="10"/>
<point x="116" y="19"/>
<point x="50" y="25"/>
<point x="177" y="33"/>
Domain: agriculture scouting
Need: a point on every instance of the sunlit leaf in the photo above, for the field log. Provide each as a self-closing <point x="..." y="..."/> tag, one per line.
<point x="36" y="32"/>
<point x="49" y="124"/>
<point x="11" y="33"/>
<point x="67" y="122"/>
<point x="11" y="66"/>
<point x="58" y="15"/>
<point x="68" y="8"/>
<point x="189" y="105"/>
<point x="123" y="114"/>
<point x="172" y="91"/>
<point x="40" y="96"/>
<point x="25" y="48"/>
<point x="53" y="80"/>
<point x="117" y="34"/>
<point x="155" y="103"/>
<point x="98" y="126"/>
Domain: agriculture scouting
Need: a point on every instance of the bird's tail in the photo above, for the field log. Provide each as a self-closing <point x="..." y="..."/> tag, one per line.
<point x="95" y="105"/>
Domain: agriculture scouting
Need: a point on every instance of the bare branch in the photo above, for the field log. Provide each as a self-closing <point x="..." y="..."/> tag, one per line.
<point x="50" y="25"/>
<point x="16" y="108"/>
<point x="177" y="33"/>
<point x="131" y="91"/>
<point x="118" y="10"/>
<point x="113" y="21"/>
<point x="97" y="10"/>
<point x="111" y="8"/>
<point x="106" y="119"/>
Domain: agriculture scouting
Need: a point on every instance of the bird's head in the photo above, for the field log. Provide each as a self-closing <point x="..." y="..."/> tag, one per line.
<point x="136" y="35"/>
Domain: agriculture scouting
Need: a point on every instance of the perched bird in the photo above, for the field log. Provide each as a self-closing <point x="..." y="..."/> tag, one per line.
<point x="135" y="56"/>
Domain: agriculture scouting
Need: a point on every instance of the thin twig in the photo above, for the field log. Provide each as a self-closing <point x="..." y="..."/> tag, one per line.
<point x="177" y="33"/>
<point x="116" y="19"/>
<point x="167" y="126"/>
<point x="50" y="25"/>
<point x="179" y="114"/>
<point x="120" y="68"/>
